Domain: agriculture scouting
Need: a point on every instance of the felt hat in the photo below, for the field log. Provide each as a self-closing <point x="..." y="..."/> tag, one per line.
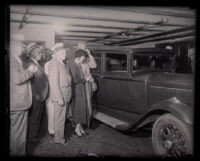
<point x="32" y="46"/>
<point x="59" y="46"/>
<point x="80" y="52"/>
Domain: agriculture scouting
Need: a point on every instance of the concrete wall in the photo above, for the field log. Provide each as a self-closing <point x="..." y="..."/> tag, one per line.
<point x="36" y="33"/>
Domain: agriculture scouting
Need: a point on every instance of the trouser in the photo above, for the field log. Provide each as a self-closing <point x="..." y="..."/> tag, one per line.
<point x="59" y="122"/>
<point x="35" y="117"/>
<point x="18" y="132"/>
<point x="69" y="112"/>
<point x="50" y="115"/>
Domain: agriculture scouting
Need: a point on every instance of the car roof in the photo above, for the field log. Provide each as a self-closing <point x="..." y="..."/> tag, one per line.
<point x="110" y="48"/>
<point x="154" y="51"/>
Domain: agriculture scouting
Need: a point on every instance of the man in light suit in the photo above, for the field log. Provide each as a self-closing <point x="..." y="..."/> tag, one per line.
<point x="49" y="103"/>
<point x="20" y="96"/>
<point x="60" y="92"/>
<point x="40" y="87"/>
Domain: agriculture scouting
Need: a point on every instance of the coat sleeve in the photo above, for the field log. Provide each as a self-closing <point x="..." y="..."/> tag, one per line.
<point x="19" y="76"/>
<point x="92" y="63"/>
<point x="54" y="82"/>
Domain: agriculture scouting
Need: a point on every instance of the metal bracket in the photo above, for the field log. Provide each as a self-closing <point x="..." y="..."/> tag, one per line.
<point x="24" y="19"/>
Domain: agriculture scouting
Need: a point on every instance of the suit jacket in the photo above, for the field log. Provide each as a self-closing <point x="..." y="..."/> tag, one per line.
<point x="39" y="82"/>
<point x="60" y="81"/>
<point x="20" y="86"/>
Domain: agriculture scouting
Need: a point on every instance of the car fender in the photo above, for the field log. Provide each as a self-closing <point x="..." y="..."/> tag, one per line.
<point x="174" y="106"/>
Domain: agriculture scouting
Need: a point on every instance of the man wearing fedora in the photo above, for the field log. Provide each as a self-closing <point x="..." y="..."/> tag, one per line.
<point x="60" y="92"/>
<point x="40" y="87"/>
<point x="20" y="95"/>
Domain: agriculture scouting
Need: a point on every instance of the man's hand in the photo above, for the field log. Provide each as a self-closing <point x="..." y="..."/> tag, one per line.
<point x="61" y="102"/>
<point x="88" y="52"/>
<point x="88" y="78"/>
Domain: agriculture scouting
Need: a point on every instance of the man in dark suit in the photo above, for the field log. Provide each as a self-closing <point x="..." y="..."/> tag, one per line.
<point x="40" y="87"/>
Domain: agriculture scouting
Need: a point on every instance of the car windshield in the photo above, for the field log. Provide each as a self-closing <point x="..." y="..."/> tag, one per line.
<point x="157" y="62"/>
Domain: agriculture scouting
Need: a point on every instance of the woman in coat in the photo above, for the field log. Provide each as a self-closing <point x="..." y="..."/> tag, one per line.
<point x="80" y="110"/>
<point x="88" y="63"/>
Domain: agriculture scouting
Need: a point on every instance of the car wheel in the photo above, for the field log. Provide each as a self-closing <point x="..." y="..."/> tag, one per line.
<point x="172" y="137"/>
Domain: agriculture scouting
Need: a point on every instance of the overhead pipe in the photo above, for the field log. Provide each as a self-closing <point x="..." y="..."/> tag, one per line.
<point x="129" y="31"/>
<point x="154" y="35"/>
<point x="159" y="39"/>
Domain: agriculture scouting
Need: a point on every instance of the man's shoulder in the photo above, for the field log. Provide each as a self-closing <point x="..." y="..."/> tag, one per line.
<point x="53" y="64"/>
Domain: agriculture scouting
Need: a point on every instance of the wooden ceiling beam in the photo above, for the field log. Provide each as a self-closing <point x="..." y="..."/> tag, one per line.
<point x="151" y="11"/>
<point x="87" y="26"/>
<point x="156" y="35"/>
<point x="97" y="32"/>
<point x="93" y="18"/>
<point x="159" y="39"/>
<point x="112" y="27"/>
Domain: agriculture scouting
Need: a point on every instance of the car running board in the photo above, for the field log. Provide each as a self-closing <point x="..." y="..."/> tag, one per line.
<point x="113" y="122"/>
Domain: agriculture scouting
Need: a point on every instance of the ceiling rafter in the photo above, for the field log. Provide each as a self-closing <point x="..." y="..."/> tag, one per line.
<point x="94" y="18"/>
<point x="87" y="26"/>
<point x="139" y="28"/>
<point x="151" y="11"/>
<point x="192" y="33"/>
<point x="154" y="35"/>
<point x="97" y="32"/>
<point x="112" y="27"/>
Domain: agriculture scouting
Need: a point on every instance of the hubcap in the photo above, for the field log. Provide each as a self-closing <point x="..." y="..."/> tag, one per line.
<point x="173" y="141"/>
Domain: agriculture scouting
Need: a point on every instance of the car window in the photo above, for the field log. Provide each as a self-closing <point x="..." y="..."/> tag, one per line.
<point x="97" y="57"/>
<point x="159" y="62"/>
<point x="116" y="62"/>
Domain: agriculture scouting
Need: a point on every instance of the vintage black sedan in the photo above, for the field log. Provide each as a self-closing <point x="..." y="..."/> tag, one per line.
<point x="139" y="86"/>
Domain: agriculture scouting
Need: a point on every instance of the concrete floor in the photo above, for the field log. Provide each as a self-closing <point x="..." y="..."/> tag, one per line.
<point x="102" y="141"/>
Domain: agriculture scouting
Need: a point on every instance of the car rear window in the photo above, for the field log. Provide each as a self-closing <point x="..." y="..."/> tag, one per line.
<point x="116" y="62"/>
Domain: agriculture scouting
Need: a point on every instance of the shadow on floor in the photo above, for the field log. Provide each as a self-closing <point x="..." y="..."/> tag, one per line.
<point x="94" y="124"/>
<point x="143" y="132"/>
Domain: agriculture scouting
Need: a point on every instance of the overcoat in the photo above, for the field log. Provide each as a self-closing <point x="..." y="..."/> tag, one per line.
<point x="80" y="110"/>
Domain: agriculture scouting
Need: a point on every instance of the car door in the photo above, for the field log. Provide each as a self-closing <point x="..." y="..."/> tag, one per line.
<point x="114" y="87"/>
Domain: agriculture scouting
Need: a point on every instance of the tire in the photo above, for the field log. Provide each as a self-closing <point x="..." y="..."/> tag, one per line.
<point x="171" y="137"/>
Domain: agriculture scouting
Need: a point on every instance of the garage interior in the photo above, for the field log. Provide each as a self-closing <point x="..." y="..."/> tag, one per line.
<point x="98" y="26"/>
<point x="109" y="26"/>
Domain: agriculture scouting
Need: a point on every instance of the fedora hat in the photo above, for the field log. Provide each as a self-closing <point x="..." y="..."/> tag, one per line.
<point x="59" y="46"/>
<point x="32" y="46"/>
<point x="80" y="52"/>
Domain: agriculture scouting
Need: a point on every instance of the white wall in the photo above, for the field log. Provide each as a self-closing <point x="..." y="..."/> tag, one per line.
<point x="36" y="33"/>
